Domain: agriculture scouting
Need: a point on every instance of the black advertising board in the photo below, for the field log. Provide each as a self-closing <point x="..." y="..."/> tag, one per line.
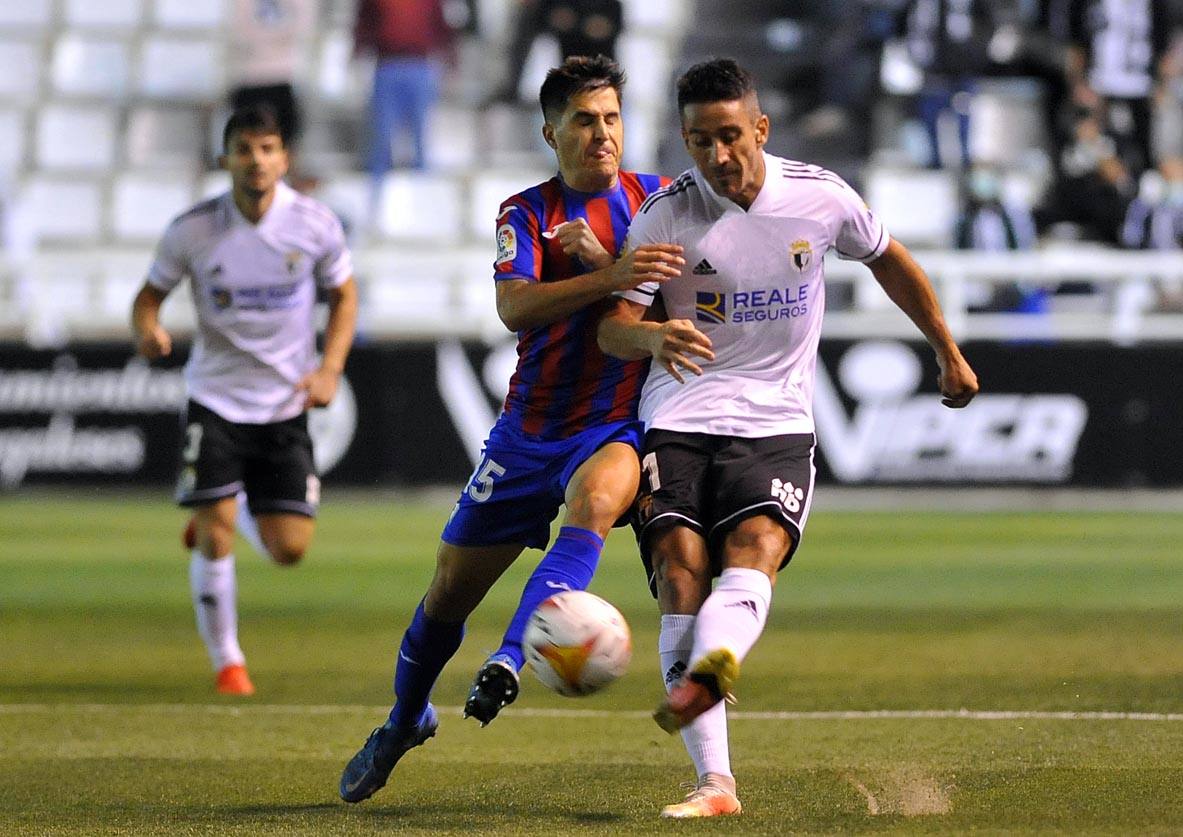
<point x="414" y="414"/>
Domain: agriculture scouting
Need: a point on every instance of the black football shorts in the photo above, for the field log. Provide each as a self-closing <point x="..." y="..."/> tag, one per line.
<point x="271" y="462"/>
<point x="710" y="483"/>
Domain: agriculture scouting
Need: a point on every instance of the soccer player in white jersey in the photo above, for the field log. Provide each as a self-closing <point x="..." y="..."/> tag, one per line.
<point x="255" y="258"/>
<point x="728" y="457"/>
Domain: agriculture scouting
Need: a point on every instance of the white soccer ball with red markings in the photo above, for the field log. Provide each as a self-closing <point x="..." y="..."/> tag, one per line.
<point x="577" y="643"/>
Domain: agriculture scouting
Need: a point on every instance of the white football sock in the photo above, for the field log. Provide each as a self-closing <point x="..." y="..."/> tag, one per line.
<point x="215" y="594"/>
<point x="734" y="614"/>
<point x="705" y="738"/>
<point x="248" y="527"/>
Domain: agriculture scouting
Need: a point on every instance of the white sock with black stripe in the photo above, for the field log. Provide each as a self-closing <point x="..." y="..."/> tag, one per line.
<point x="705" y="738"/>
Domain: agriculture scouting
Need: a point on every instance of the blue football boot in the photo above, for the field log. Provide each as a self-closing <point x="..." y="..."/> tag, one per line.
<point x="370" y="767"/>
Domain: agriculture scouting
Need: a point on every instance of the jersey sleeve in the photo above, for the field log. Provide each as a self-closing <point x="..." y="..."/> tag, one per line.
<point x="169" y="264"/>
<point x="651" y="225"/>
<point x="861" y="236"/>
<point x="519" y="243"/>
<point x="335" y="266"/>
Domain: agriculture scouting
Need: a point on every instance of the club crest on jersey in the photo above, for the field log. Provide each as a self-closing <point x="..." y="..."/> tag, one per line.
<point x="710" y="307"/>
<point x="802" y="254"/>
<point x="507" y="244"/>
<point x="292" y="260"/>
<point x="221" y="297"/>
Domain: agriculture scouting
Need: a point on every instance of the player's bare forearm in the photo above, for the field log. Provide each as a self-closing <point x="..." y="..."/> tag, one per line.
<point x="908" y="287"/>
<point x="341" y="327"/>
<point x="523" y="304"/>
<point x="623" y="333"/>
<point x="152" y="340"/>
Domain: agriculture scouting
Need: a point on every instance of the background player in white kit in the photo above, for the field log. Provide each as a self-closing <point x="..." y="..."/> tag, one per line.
<point x="728" y="458"/>
<point x="255" y="257"/>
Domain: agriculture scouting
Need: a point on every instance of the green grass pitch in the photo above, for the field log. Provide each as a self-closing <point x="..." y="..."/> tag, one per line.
<point x="109" y="724"/>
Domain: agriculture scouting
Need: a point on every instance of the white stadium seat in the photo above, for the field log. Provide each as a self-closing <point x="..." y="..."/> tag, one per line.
<point x="189" y="14"/>
<point x="337" y="77"/>
<point x="213" y="183"/>
<point x="90" y="67"/>
<point x="489" y="190"/>
<point x="348" y="195"/>
<point x="182" y="68"/>
<point x="25" y="14"/>
<point x="13" y="125"/>
<point x="917" y="206"/>
<point x="76" y="137"/>
<point x="164" y="137"/>
<point x="64" y="209"/>
<point x="104" y="14"/>
<point x="420" y="206"/>
<point x="143" y="204"/>
<point x="452" y="138"/>
<point x="21" y="62"/>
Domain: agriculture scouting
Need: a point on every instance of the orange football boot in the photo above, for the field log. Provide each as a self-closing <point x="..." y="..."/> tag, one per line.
<point x="233" y="680"/>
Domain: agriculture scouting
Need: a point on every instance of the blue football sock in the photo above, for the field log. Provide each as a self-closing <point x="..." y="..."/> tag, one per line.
<point x="569" y="565"/>
<point x="427" y="646"/>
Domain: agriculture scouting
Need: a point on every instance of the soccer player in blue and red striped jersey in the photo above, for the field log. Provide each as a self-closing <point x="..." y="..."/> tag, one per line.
<point x="568" y="433"/>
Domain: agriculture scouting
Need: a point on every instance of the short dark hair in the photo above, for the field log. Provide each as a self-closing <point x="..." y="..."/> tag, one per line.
<point x="717" y="80"/>
<point x="253" y="119"/>
<point x="578" y="74"/>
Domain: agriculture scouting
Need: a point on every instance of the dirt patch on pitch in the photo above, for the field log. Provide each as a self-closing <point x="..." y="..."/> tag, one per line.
<point x="908" y="792"/>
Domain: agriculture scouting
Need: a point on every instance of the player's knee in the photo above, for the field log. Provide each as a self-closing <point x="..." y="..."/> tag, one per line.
<point x="596" y="509"/>
<point x="286" y="554"/>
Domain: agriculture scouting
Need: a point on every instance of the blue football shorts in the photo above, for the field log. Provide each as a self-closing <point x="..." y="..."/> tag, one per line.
<point x="518" y="486"/>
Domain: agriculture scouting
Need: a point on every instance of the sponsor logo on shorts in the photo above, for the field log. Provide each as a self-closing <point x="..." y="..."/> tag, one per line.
<point x="312" y="490"/>
<point x="789" y="495"/>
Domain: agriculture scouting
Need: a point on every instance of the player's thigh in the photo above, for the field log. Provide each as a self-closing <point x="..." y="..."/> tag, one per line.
<point x="279" y="473"/>
<point x="674" y="495"/>
<point x="286" y="536"/>
<point x="463" y="575"/>
<point x="603" y="488"/>
<point x="768" y="481"/>
<point x="212" y="457"/>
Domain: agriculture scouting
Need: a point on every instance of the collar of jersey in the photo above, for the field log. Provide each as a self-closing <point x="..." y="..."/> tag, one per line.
<point x="771" y="164"/>
<point x="588" y="195"/>
<point x="284" y="194"/>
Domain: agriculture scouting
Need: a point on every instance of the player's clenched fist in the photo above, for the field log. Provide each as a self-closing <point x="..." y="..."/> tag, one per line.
<point x="155" y="343"/>
<point x="675" y="342"/>
<point x="578" y="240"/>
<point x="648" y="263"/>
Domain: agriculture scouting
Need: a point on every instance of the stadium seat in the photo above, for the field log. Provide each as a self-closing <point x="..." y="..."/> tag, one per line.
<point x="452" y="138"/>
<point x="487" y="193"/>
<point x="420" y="206"/>
<point x="652" y="87"/>
<point x="64" y="209"/>
<point x="26" y="14"/>
<point x="85" y="66"/>
<point x="338" y="78"/>
<point x="107" y="14"/>
<point x="189" y="14"/>
<point x="21" y="60"/>
<point x="142" y="204"/>
<point x="918" y="207"/>
<point x="1006" y="121"/>
<point x="331" y="141"/>
<point x="348" y="195"/>
<point x="13" y="125"/>
<point x="181" y="68"/>
<point x="165" y="137"/>
<point x="213" y="183"/>
<point x="656" y="15"/>
<point x="76" y="137"/>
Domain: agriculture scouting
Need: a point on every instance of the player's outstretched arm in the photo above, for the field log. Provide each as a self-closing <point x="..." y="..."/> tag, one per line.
<point x="523" y="304"/>
<point x="152" y="339"/>
<point x="624" y="333"/>
<point x="321" y="384"/>
<point x="908" y="287"/>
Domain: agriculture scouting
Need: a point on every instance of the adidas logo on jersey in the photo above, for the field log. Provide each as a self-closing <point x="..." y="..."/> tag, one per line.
<point x="704" y="268"/>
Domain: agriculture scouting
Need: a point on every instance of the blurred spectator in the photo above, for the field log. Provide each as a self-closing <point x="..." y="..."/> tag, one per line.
<point x="410" y="39"/>
<point x="949" y="41"/>
<point x="264" y="46"/>
<point x="1093" y="185"/>
<point x="1115" y="47"/>
<point x="990" y="222"/>
<point x="581" y="27"/>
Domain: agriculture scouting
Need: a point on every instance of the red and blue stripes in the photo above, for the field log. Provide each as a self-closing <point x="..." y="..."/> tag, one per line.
<point x="563" y="383"/>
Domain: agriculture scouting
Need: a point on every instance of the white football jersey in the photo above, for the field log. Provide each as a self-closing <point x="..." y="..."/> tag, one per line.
<point x="753" y="283"/>
<point x="254" y="291"/>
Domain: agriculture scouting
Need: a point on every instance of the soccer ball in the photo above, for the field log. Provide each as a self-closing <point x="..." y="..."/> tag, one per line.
<point x="577" y="643"/>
